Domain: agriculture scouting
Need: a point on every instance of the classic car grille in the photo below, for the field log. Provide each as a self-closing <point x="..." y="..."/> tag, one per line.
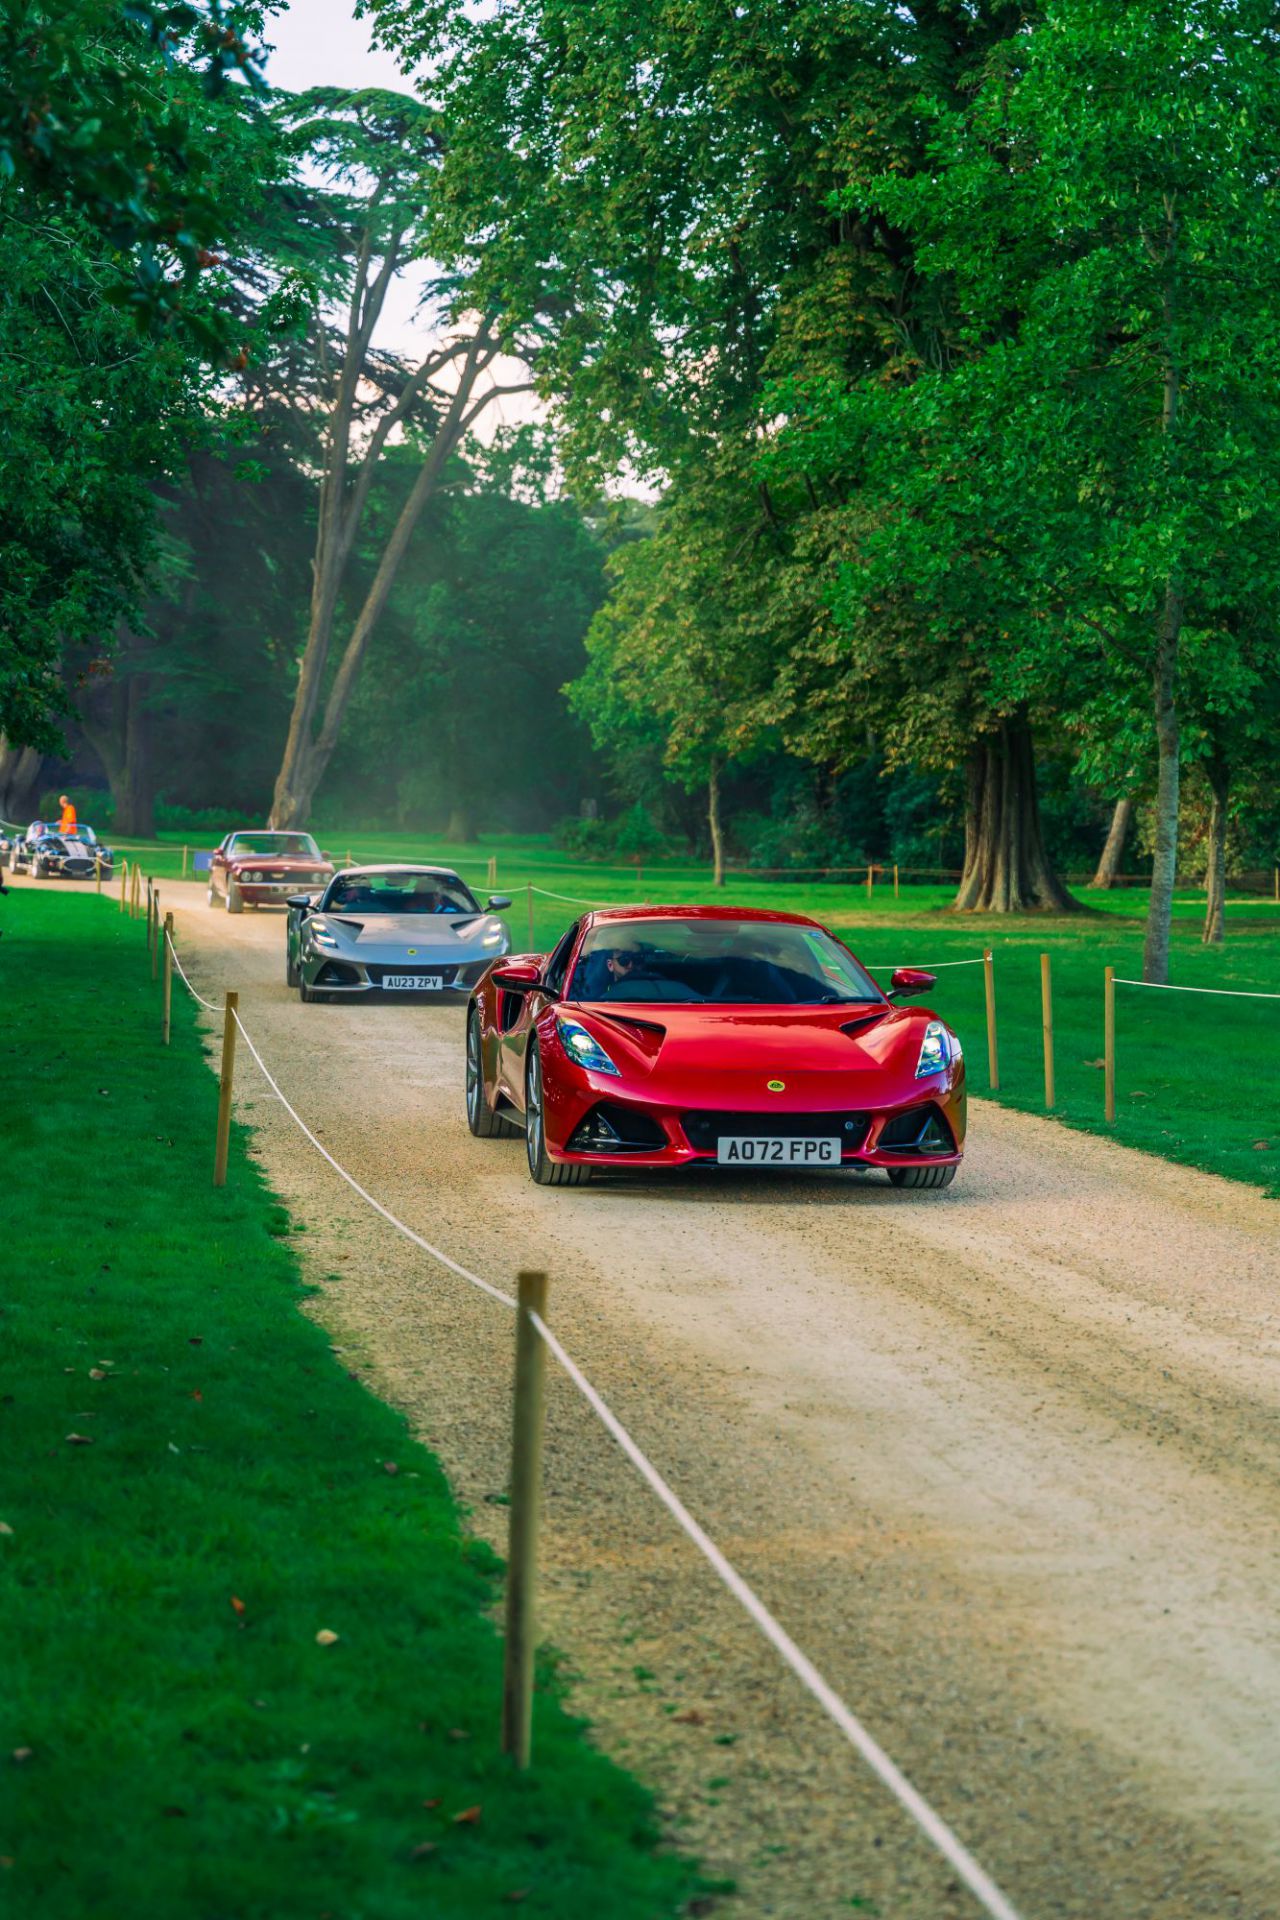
<point x="703" y="1129"/>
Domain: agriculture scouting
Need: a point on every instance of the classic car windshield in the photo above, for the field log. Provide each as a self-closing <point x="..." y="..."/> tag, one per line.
<point x="407" y="892"/>
<point x="281" y="846"/>
<point x="718" y="962"/>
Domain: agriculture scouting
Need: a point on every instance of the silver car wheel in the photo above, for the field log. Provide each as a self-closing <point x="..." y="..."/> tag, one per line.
<point x="474" y="1076"/>
<point x="533" y="1113"/>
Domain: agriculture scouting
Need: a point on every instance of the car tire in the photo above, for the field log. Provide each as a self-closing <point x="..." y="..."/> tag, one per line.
<point x="542" y="1168"/>
<point x="234" y="898"/>
<point x="310" y="996"/>
<point x="922" y="1176"/>
<point x="292" y="977"/>
<point x="481" y="1118"/>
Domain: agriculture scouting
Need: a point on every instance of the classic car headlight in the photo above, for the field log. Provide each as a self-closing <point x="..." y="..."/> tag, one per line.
<point x="935" y="1050"/>
<point x="582" y="1047"/>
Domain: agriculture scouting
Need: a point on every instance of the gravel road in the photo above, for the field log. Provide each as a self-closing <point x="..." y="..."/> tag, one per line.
<point x="1003" y="1460"/>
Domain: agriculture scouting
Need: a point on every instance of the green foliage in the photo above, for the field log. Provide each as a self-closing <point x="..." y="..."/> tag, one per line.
<point x="104" y="111"/>
<point x="163" y="1586"/>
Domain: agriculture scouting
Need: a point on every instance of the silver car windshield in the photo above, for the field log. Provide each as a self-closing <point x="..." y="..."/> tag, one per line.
<point x="720" y="963"/>
<point x="399" y="893"/>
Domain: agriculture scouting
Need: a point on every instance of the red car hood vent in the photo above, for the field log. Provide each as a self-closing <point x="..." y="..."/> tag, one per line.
<point x="816" y="1039"/>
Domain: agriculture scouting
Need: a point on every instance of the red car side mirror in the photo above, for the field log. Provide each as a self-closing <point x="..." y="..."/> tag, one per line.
<point x="908" y="981"/>
<point x="520" y="977"/>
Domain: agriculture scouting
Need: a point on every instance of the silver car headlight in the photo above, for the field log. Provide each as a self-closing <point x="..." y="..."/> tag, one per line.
<point x="323" y="938"/>
<point x="935" y="1050"/>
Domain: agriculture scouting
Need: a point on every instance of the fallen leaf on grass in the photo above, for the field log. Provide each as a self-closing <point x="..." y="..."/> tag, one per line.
<point x="1262" y="1146"/>
<point x="468" y="1817"/>
<point x="79" y="1439"/>
<point x="516" y="1895"/>
<point x="421" y="1852"/>
<point x="22" y="1754"/>
<point x="237" y="1604"/>
<point x="431" y="1803"/>
<point x="456" y="1733"/>
<point x="197" y="1395"/>
<point x="195" y="1340"/>
<point x="5" y="1527"/>
<point x="389" y="1466"/>
<point x="690" y="1718"/>
<point x="326" y="1637"/>
<point x="1093" y="1063"/>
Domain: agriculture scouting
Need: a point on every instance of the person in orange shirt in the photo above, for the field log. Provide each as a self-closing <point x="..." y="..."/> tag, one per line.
<point x="68" y="822"/>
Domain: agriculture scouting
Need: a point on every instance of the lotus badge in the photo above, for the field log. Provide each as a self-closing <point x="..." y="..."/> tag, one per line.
<point x="776" y="1086"/>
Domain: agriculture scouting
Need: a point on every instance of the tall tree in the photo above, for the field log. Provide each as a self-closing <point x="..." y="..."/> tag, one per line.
<point x="379" y="153"/>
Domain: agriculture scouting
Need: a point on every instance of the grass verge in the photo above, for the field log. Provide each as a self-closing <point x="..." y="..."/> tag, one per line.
<point x="182" y="1745"/>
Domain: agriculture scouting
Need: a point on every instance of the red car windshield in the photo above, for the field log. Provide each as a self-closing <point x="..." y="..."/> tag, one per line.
<point x="718" y="963"/>
<point x="269" y="846"/>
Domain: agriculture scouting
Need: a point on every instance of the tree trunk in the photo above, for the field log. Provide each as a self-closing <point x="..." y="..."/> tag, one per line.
<point x="1113" y="851"/>
<point x="1164" y="680"/>
<point x="20" y="770"/>
<point x="462" y="823"/>
<point x="713" y="820"/>
<point x="1155" y="952"/>
<point x="1215" y="884"/>
<point x="1006" y="868"/>
<point x="122" y="742"/>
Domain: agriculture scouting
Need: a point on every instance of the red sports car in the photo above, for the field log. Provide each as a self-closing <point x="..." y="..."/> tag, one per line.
<point x="261" y="869"/>
<point x="678" y="1036"/>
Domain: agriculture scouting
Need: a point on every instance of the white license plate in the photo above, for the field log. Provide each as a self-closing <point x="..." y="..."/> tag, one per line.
<point x="765" y="1150"/>
<point x="414" y="982"/>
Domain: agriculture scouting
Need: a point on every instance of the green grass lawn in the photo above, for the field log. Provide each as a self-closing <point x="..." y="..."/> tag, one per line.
<point x="1195" y="1080"/>
<point x="182" y="1745"/>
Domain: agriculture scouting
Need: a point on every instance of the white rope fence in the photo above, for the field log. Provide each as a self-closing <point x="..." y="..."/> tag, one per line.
<point x="1223" y="993"/>
<point x="572" y="900"/>
<point x="930" y="1823"/>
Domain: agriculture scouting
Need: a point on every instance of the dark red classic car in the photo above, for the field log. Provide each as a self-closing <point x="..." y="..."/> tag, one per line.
<point x="262" y="868"/>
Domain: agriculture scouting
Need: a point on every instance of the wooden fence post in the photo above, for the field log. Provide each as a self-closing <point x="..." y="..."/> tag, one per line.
<point x="1046" y="1008"/>
<point x="895" y="882"/>
<point x="870" y="880"/>
<point x="993" y="1056"/>
<point x="522" y="1533"/>
<point x="1109" y="1041"/>
<point x="135" y="893"/>
<point x="230" y="1003"/>
<point x="184" y="862"/>
<point x="124" y="885"/>
<point x="155" y="930"/>
<point x="167" y="1001"/>
<point x="97" y="871"/>
<point x="529" y="887"/>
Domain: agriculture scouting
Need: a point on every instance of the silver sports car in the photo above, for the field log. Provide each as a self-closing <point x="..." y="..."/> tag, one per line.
<point x="394" y="931"/>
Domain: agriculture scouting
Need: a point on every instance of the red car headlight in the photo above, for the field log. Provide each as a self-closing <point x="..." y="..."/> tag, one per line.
<point x="583" y="1047"/>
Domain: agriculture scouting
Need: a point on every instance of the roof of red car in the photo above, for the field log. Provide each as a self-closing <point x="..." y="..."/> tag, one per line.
<point x="687" y="912"/>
